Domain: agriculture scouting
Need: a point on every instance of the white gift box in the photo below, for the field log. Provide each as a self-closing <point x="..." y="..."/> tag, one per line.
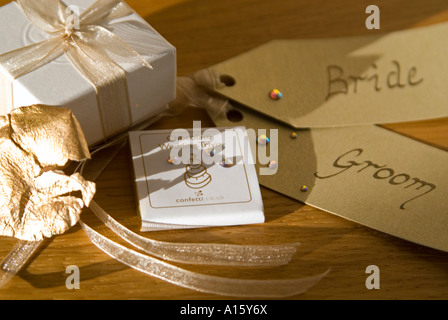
<point x="59" y="83"/>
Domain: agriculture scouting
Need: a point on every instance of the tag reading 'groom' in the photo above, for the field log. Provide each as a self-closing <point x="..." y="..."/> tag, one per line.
<point x="394" y="77"/>
<point x="366" y="174"/>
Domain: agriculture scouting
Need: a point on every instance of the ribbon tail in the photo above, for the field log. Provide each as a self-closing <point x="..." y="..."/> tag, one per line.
<point x="201" y="282"/>
<point x="205" y="254"/>
<point x="196" y="91"/>
<point x="16" y="259"/>
<point x="47" y="15"/>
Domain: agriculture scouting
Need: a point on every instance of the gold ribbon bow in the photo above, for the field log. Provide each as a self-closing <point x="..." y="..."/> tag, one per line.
<point x="90" y="47"/>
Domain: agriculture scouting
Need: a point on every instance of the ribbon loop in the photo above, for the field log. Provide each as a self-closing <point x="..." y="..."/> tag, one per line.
<point x="49" y="17"/>
<point x="104" y="11"/>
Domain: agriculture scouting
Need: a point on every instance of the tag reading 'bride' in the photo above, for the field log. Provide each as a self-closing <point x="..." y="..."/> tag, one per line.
<point x="195" y="178"/>
<point x="394" y="77"/>
<point x="366" y="174"/>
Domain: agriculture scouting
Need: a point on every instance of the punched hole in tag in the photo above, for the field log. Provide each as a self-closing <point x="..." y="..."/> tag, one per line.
<point x="229" y="81"/>
<point x="234" y="115"/>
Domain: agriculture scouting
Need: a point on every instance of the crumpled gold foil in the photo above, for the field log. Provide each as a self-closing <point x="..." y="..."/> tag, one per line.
<point x="37" y="199"/>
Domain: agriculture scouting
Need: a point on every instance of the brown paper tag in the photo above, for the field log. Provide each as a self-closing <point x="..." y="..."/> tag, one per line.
<point x="366" y="174"/>
<point x="400" y="76"/>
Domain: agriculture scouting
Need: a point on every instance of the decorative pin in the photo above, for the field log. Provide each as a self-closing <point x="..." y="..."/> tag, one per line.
<point x="263" y="140"/>
<point x="275" y="94"/>
<point x="294" y="135"/>
<point x="173" y="161"/>
<point x="211" y="152"/>
<point x="227" y="163"/>
<point x="273" y="164"/>
<point x="304" y="188"/>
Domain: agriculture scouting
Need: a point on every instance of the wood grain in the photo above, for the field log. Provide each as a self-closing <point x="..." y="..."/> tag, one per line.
<point x="207" y="32"/>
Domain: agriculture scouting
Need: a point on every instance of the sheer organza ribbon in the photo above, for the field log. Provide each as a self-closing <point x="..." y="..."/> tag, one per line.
<point x="90" y="47"/>
<point x="202" y="282"/>
<point x="197" y="91"/>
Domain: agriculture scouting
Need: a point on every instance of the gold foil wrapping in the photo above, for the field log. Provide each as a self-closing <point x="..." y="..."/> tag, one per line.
<point x="37" y="199"/>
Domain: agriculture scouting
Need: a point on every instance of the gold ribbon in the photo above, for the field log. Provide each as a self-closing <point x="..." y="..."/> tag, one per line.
<point x="197" y="91"/>
<point x="90" y="49"/>
<point x="247" y="288"/>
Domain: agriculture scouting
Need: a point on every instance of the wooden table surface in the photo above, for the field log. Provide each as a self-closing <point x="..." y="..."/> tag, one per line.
<point x="205" y="33"/>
